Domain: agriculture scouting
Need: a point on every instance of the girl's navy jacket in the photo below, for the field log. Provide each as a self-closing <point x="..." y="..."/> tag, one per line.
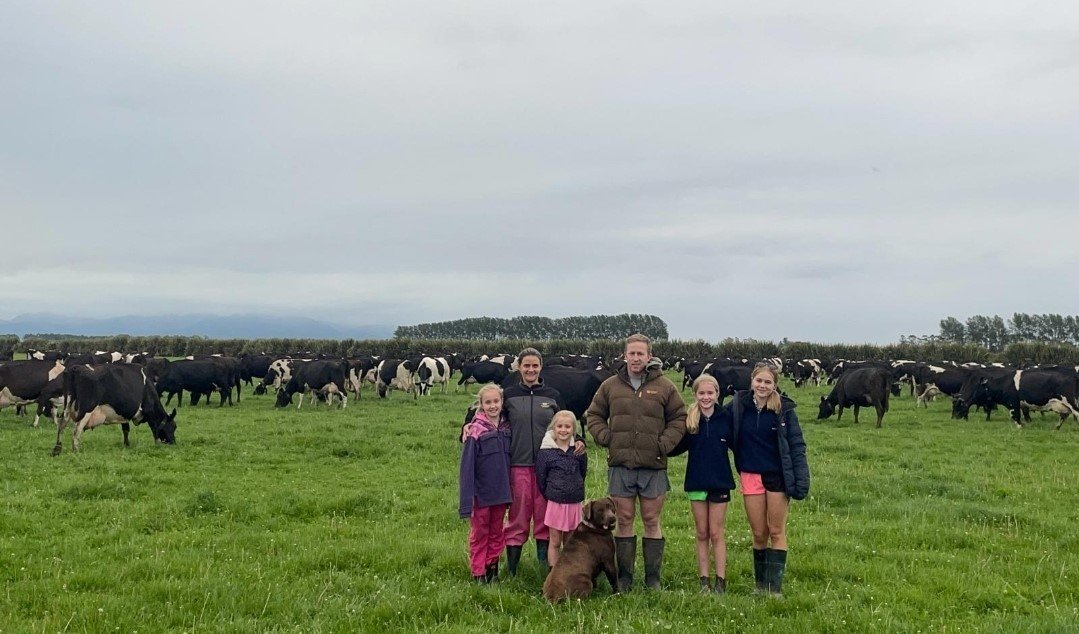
<point x="708" y="467"/>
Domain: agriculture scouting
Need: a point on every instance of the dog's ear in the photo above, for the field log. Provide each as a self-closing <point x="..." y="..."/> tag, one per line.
<point x="586" y="512"/>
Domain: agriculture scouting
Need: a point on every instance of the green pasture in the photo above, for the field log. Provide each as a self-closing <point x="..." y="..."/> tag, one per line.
<point x="264" y="520"/>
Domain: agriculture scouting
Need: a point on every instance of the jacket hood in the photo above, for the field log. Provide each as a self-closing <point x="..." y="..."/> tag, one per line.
<point x="481" y="424"/>
<point x="548" y="441"/>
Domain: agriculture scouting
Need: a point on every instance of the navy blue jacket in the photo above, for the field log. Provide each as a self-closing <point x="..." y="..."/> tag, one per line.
<point x="709" y="466"/>
<point x="789" y="458"/>
<point x="560" y="474"/>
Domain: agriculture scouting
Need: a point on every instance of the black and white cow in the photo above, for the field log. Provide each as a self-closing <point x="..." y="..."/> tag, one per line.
<point x="22" y="382"/>
<point x="482" y="372"/>
<point x="931" y="380"/>
<point x="109" y="394"/>
<point x="43" y="355"/>
<point x="279" y="373"/>
<point x="394" y="374"/>
<point x="323" y="378"/>
<point x="1047" y="390"/>
<point x="360" y="371"/>
<point x="859" y="387"/>
<point x="806" y="370"/>
<point x="432" y="371"/>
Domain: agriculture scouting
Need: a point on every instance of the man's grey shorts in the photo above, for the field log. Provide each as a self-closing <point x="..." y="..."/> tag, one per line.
<point x="623" y="482"/>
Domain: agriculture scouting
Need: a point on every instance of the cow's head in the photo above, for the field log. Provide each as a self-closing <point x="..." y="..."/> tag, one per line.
<point x="166" y="429"/>
<point x="896" y="388"/>
<point x="960" y="408"/>
<point x="826" y="408"/>
<point x="284" y="398"/>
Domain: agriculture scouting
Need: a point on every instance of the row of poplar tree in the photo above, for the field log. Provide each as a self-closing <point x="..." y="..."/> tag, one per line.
<point x="996" y="332"/>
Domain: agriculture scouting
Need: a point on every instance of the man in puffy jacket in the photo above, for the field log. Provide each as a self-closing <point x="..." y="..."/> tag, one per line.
<point x="639" y="415"/>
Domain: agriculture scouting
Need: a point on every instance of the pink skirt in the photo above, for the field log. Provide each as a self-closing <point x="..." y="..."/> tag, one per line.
<point x="563" y="517"/>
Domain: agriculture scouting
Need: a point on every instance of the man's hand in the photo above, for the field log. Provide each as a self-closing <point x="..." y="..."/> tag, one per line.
<point x="579" y="448"/>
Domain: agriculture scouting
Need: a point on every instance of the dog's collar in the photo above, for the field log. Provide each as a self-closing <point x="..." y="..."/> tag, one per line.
<point x="593" y="526"/>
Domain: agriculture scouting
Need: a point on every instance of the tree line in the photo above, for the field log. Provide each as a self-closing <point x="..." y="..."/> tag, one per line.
<point x="996" y="333"/>
<point x="536" y="328"/>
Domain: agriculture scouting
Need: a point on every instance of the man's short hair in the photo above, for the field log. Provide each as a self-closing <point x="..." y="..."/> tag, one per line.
<point x="641" y="338"/>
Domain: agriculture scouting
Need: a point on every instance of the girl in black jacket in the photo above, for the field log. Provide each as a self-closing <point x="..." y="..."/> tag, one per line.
<point x="708" y="477"/>
<point x="560" y="477"/>
<point x="770" y="454"/>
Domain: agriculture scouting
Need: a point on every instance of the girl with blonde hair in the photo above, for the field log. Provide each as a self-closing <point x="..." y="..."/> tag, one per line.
<point x="770" y="455"/>
<point x="709" y="480"/>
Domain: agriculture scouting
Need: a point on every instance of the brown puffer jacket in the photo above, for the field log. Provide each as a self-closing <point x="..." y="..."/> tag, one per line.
<point x="637" y="427"/>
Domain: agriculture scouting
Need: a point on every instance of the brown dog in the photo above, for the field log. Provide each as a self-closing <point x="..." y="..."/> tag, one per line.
<point x="588" y="550"/>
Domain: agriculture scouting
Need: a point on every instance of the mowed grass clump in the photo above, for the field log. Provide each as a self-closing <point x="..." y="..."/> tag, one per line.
<point x="264" y="520"/>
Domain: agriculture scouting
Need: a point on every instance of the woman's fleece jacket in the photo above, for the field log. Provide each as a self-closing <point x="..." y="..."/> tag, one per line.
<point x="485" y="464"/>
<point x="560" y="474"/>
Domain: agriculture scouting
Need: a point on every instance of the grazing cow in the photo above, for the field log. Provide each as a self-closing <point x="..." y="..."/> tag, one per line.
<point x="102" y="356"/>
<point x="932" y="380"/>
<point x="51" y="401"/>
<point x="970" y="396"/>
<point x="254" y="366"/>
<point x="22" y="382"/>
<point x="866" y="386"/>
<point x="110" y="394"/>
<point x="325" y="377"/>
<point x="394" y="374"/>
<point x="482" y="372"/>
<point x="805" y="371"/>
<point x="201" y="377"/>
<point x="360" y="371"/>
<point x="1046" y="390"/>
<point x="279" y="373"/>
<point x="431" y="371"/>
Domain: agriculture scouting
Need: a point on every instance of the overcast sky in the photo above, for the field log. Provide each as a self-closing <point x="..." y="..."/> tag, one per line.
<point x="818" y="171"/>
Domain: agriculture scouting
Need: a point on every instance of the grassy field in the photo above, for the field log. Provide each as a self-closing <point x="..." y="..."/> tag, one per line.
<point x="263" y="520"/>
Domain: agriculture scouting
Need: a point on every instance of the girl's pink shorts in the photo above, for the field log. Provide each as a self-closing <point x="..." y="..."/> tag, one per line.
<point x="751" y="483"/>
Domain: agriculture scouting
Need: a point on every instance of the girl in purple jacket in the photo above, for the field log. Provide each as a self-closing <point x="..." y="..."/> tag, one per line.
<point x="485" y="483"/>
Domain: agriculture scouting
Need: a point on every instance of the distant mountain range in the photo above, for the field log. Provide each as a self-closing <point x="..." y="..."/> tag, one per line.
<point x="211" y="326"/>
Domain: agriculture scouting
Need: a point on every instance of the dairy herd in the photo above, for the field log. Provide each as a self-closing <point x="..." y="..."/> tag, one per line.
<point x="89" y="390"/>
<point x="857" y="384"/>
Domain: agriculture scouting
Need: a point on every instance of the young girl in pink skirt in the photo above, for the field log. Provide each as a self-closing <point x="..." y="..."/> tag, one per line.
<point x="560" y="476"/>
